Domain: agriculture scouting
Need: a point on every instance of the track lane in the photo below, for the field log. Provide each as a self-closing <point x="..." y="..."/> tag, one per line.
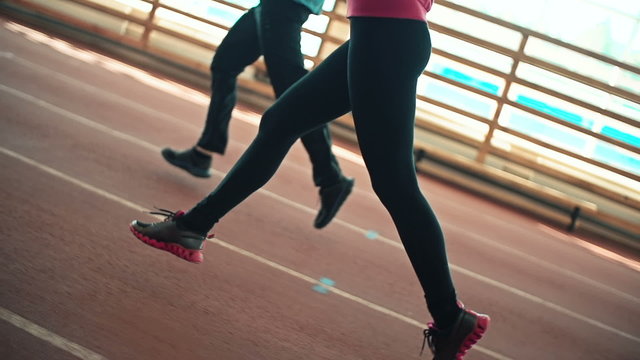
<point x="103" y="166"/>
<point x="101" y="171"/>
<point x="207" y="310"/>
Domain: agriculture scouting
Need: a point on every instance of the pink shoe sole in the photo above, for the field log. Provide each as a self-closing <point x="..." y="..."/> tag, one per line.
<point x="481" y="327"/>
<point x="194" y="256"/>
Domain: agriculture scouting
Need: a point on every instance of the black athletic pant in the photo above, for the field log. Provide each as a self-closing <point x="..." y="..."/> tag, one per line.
<point x="271" y="29"/>
<point x="375" y="75"/>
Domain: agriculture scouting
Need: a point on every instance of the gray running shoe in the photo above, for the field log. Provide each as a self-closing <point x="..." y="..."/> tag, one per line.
<point x="167" y="236"/>
<point x="195" y="164"/>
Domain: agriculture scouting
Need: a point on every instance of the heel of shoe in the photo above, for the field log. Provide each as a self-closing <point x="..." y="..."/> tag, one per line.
<point x="482" y="324"/>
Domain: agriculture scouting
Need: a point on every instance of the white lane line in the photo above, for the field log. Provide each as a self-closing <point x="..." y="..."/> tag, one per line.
<point x="245" y="116"/>
<point x="313" y="281"/>
<point x="343" y="293"/>
<point x="102" y="93"/>
<point x="92" y="124"/>
<point x="136" y="141"/>
<point x="340" y="152"/>
<point x="535" y="260"/>
<point x="258" y="258"/>
<point x="592" y="248"/>
<point x="395" y="244"/>
<point x="46" y="335"/>
<point x="251" y="118"/>
<point x="551" y="305"/>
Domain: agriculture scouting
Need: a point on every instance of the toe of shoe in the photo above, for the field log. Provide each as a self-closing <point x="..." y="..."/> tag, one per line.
<point x="137" y="225"/>
<point x="321" y="220"/>
<point x="168" y="153"/>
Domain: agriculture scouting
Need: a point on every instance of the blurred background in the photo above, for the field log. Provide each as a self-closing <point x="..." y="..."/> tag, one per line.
<point x="527" y="135"/>
<point x="535" y="104"/>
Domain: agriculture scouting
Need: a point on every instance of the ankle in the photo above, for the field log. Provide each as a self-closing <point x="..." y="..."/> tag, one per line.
<point x="184" y="224"/>
<point x="445" y="313"/>
<point x="341" y="179"/>
<point x="199" y="151"/>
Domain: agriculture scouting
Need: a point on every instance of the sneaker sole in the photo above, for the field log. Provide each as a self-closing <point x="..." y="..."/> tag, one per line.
<point x="482" y="324"/>
<point x="195" y="172"/>
<point x="193" y="256"/>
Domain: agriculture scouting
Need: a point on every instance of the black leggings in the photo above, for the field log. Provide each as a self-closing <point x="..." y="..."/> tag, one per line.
<point x="374" y="75"/>
<point x="271" y="29"/>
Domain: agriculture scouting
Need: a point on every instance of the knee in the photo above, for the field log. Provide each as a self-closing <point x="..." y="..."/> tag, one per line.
<point x="221" y="67"/>
<point x="217" y="67"/>
<point x="273" y="124"/>
<point x="393" y="187"/>
<point x="276" y="125"/>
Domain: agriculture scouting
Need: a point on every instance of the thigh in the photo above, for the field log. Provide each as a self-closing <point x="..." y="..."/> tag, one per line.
<point x="280" y="24"/>
<point x="241" y="46"/>
<point x="385" y="59"/>
<point x="319" y="97"/>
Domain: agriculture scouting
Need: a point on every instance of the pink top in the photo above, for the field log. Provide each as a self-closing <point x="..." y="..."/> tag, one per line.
<point x="401" y="9"/>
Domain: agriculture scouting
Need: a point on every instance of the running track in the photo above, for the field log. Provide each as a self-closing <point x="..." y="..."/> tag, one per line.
<point x="79" y="152"/>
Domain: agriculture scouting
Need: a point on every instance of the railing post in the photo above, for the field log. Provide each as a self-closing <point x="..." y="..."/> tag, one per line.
<point x="149" y="23"/>
<point x="484" y="149"/>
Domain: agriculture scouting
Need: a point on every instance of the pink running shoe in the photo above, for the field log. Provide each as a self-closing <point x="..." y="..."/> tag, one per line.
<point x="453" y="344"/>
<point x="167" y="236"/>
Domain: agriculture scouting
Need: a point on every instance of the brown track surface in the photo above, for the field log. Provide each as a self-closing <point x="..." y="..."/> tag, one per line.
<point x="79" y="152"/>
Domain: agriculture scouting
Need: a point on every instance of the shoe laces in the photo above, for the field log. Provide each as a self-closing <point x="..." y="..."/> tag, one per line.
<point x="168" y="214"/>
<point x="430" y="333"/>
<point x="172" y="215"/>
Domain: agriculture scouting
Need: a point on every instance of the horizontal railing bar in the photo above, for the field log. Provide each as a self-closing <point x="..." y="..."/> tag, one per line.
<point x="524" y="186"/>
<point x="315" y="59"/>
<point x="107" y="10"/>
<point x="469" y="63"/>
<point x="581" y="78"/>
<point x="572" y="126"/>
<point x="622" y="198"/>
<point x="474" y="40"/>
<point x="536" y="87"/>
<point x="537" y="62"/>
<point x="526" y="31"/>
<point x="187" y="38"/>
<point x="230" y="4"/>
<point x="309" y="31"/>
<point x="469" y="88"/>
<point x="578" y="102"/>
<point x="80" y="23"/>
<point x="532" y="111"/>
<point x="453" y="109"/>
<point x="571" y="154"/>
<point x="533" y="164"/>
<point x="528" y="59"/>
<point x="195" y="17"/>
<point x="451" y="134"/>
<point x="518" y="157"/>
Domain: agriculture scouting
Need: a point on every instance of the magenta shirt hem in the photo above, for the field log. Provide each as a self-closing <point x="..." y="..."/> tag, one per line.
<point x="400" y="9"/>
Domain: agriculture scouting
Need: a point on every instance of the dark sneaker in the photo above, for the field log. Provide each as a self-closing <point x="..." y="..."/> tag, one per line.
<point x="331" y="198"/>
<point x="167" y="236"/>
<point x="190" y="160"/>
<point x="453" y="344"/>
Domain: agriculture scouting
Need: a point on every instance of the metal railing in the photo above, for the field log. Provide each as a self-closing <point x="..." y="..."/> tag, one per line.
<point x="489" y="143"/>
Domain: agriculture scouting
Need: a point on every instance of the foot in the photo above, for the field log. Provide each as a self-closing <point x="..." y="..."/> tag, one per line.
<point x="167" y="236"/>
<point x="453" y="343"/>
<point x="331" y="198"/>
<point x="191" y="160"/>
